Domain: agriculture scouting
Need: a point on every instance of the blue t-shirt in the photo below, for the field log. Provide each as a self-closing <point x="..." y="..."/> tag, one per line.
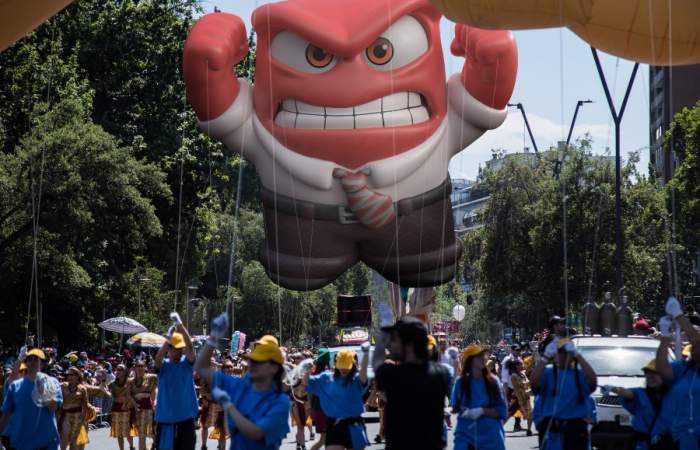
<point x="485" y="433"/>
<point x="339" y="400"/>
<point x="686" y="382"/>
<point x="177" y="399"/>
<point x="562" y="398"/>
<point x="30" y="427"/>
<point x="269" y="410"/>
<point x="645" y="419"/>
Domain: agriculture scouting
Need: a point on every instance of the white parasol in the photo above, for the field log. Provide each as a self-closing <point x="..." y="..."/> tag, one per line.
<point x="122" y="325"/>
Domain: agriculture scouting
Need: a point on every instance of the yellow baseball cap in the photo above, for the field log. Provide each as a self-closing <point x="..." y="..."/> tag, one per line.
<point x="687" y="350"/>
<point x="39" y="353"/>
<point x="269" y="339"/>
<point x="177" y="340"/>
<point x="265" y="351"/>
<point x="72" y="357"/>
<point x="472" y="350"/>
<point x="344" y="359"/>
<point x="651" y="366"/>
<point x="432" y="342"/>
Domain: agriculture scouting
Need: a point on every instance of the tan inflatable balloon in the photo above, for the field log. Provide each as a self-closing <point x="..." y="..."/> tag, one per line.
<point x="19" y="17"/>
<point x="653" y="32"/>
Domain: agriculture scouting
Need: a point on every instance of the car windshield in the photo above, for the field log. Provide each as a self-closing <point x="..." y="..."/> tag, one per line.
<point x="618" y="361"/>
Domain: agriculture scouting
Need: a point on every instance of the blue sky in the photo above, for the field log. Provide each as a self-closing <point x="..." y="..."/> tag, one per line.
<point x="556" y="69"/>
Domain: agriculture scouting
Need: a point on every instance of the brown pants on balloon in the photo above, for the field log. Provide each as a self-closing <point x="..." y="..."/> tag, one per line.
<point x="307" y="246"/>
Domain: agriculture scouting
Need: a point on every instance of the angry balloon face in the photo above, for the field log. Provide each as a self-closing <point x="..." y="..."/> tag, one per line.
<point x="349" y="81"/>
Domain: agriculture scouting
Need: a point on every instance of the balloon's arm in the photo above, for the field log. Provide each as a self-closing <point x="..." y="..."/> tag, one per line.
<point x="491" y="63"/>
<point x="215" y="44"/>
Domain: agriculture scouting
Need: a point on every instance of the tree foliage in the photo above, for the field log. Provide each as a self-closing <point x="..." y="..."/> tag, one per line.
<point x="516" y="259"/>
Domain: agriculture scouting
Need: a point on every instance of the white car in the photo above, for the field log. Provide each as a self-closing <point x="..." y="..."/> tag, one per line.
<point x="617" y="361"/>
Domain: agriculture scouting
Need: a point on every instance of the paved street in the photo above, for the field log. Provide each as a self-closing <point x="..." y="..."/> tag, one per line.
<point x="100" y="440"/>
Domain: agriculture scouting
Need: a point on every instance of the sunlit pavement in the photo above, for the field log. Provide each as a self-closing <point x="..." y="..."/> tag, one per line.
<point x="100" y="440"/>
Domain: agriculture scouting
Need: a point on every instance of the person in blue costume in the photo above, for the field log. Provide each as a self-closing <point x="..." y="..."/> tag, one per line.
<point x="30" y="406"/>
<point x="477" y="397"/>
<point x="683" y="377"/>
<point x="563" y="391"/>
<point x="341" y="394"/>
<point x="647" y="405"/>
<point x="256" y="406"/>
<point x="176" y="400"/>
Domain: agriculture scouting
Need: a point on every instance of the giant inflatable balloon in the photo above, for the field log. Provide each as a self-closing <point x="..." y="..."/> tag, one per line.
<point x="20" y="17"/>
<point x="648" y="31"/>
<point x="351" y="125"/>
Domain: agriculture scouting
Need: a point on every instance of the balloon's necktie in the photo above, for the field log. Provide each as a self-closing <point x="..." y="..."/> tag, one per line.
<point x="372" y="209"/>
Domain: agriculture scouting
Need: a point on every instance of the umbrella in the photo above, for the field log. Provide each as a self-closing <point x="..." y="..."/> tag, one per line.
<point x="146" y="340"/>
<point x="122" y="325"/>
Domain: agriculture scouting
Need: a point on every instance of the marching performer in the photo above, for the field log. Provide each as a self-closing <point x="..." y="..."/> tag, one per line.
<point x="143" y="390"/>
<point x="122" y="408"/>
<point x="76" y="411"/>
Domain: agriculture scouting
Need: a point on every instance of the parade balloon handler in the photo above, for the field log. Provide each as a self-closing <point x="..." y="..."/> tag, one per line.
<point x="650" y="411"/>
<point x="415" y="388"/>
<point x="477" y="397"/>
<point x="256" y="406"/>
<point x="682" y="378"/>
<point x="176" y="401"/>
<point x="563" y="397"/>
<point x="341" y="393"/>
<point x="30" y="405"/>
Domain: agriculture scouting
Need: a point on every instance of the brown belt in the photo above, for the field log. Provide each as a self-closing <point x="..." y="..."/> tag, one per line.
<point x="342" y="213"/>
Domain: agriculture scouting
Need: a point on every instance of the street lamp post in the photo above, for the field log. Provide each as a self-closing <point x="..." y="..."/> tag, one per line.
<point x="560" y="173"/>
<point x="617" y="118"/>
<point x="527" y="125"/>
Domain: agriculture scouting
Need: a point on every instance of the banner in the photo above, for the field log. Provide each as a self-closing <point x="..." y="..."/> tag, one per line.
<point x="446" y="326"/>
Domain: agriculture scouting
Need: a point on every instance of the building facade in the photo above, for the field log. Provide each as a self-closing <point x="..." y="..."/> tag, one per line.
<point x="670" y="90"/>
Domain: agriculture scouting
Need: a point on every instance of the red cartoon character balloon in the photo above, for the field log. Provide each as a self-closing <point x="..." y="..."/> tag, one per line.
<point x="351" y="126"/>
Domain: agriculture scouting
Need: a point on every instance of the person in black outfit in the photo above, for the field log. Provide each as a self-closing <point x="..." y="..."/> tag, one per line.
<point x="415" y="389"/>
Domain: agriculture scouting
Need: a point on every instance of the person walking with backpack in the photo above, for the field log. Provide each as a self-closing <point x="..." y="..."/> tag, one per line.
<point x="477" y="397"/>
<point x="563" y="396"/>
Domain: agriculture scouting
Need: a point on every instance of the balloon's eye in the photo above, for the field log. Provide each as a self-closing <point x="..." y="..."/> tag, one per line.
<point x="318" y="57"/>
<point x="380" y="52"/>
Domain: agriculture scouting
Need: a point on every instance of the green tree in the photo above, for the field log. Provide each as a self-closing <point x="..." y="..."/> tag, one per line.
<point x="516" y="258"/>
<point x="683" y="193"/>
